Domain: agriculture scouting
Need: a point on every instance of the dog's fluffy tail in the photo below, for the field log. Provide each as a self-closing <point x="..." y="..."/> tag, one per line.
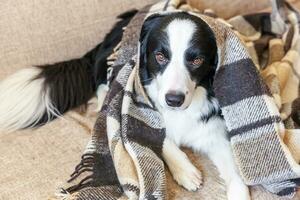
<point x="36" y="95"/>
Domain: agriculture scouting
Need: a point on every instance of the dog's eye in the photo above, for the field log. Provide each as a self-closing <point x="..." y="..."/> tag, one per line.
<point x="161" y="58"/>
<point x="197" y="62"/>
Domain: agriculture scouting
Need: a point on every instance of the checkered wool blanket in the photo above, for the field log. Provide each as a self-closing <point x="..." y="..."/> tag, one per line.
<point x="256" y="83"/>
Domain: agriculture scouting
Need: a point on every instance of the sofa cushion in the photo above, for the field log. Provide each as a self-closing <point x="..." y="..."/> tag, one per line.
<point x="36" y="33"/>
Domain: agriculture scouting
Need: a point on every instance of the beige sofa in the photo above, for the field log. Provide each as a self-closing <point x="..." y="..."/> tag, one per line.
<point x="33" y="163"/>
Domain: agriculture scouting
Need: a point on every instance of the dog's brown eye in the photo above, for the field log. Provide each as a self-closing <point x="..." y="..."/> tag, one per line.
<point x="160" y="58"/>
<point x="197" y="62"/>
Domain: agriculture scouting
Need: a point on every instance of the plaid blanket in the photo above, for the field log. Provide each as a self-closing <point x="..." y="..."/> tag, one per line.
<point x="256" y="83"/>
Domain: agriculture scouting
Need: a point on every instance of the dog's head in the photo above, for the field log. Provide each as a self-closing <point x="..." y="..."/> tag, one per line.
<point x="177" y="54"/>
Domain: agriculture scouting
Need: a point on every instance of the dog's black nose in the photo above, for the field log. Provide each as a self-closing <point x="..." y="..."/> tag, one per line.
<point x="175" y="99"/>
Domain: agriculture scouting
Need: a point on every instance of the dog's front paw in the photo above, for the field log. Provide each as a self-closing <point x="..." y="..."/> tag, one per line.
<point x="188" y="176"/>
<point x="182" y="170"/>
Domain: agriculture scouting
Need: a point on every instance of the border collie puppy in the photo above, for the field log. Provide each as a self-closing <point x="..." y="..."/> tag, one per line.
<point x="178" y="58"/>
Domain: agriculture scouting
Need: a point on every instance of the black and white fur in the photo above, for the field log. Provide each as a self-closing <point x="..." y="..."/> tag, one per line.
<point x="178" y="57"/>
<point x="36" y="95"/>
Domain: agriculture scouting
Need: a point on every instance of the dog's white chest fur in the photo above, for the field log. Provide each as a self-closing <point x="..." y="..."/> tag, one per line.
<point x="186" y="128"/>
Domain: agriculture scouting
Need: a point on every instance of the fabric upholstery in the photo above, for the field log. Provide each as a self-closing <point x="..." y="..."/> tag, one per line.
<point x="34" y="163"/>
<point x="232" y="8"/>
<point x="36" y="33"/>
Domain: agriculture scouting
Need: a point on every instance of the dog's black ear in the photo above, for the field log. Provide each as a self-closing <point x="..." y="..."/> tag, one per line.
<point x="149" y="24"/>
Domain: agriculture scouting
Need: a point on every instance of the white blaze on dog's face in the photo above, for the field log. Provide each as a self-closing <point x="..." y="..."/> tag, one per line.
<point x="177" y="54"/>
<point x="175" y="86"/>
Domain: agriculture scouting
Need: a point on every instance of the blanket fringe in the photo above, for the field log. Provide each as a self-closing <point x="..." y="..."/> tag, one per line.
<point x="86" y="165"/>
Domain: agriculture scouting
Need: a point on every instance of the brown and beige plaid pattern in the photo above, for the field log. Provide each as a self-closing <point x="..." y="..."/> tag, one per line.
<point x="123" y="158"/>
